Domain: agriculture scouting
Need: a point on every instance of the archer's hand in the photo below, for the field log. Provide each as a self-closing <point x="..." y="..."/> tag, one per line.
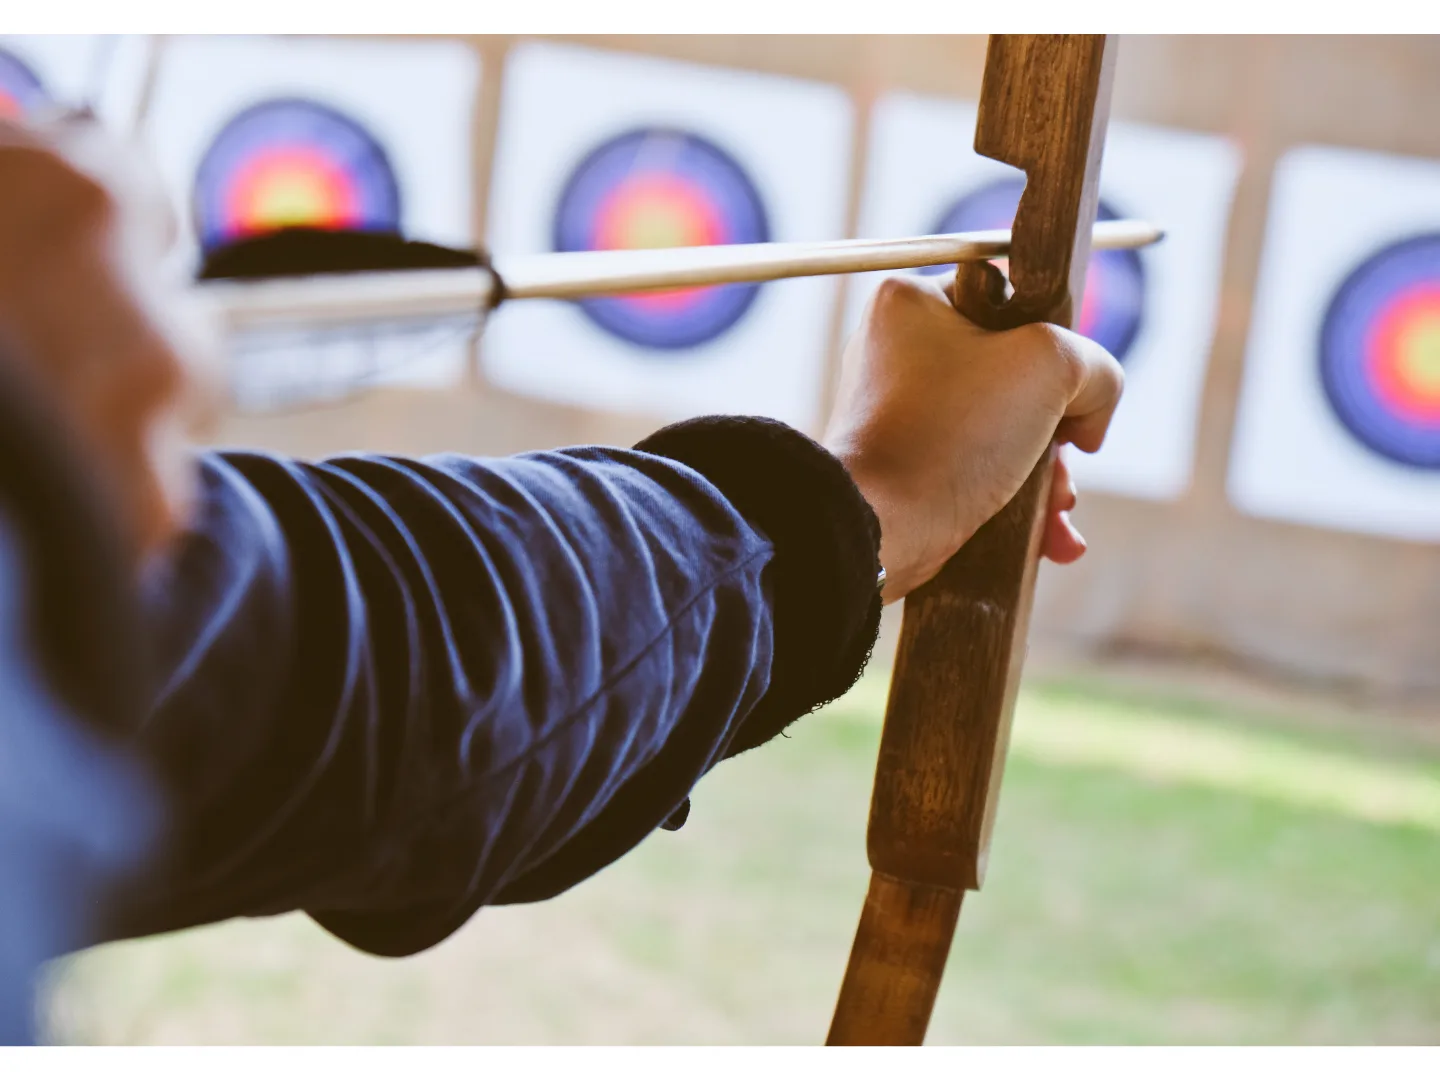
<point x="940" y="422"/>
<point x="86" y="314"/>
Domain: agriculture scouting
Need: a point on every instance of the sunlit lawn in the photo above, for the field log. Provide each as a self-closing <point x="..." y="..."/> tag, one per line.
<point x="1162" y="872"/>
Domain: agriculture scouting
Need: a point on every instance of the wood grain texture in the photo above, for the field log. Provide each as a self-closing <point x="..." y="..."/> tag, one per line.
<point x="1043" y="108"/>
<point x="909" y="929"/>
<point x="1042" y="97"/>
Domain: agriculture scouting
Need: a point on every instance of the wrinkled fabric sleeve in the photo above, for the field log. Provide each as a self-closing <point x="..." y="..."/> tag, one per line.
<point x="390" y="691"/>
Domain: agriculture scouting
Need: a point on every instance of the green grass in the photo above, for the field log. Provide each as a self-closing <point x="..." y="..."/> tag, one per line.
<point x="1162" y="872"/>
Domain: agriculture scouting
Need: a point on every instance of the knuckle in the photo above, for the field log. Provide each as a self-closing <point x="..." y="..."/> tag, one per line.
<point x="1037" y="337"/>
<point x="1052" y="349"/>
<point x="894" y="290"/>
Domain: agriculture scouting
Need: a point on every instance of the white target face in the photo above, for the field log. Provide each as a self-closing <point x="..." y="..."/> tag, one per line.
<point x="1154" y="309"/>
<point x="1339" y="416"/>
<point x="601" y="150"/>
<point x="102" y="71"/>
<point x="254" y="134"/>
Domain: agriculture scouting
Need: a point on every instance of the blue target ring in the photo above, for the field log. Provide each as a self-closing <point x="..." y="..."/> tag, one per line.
<point x="1379" y="352"/>
<point x="661" y="187"/>
<point x="21" y="91"/>
<point x="291" y="162"/>
<point x="1113" y="307"/>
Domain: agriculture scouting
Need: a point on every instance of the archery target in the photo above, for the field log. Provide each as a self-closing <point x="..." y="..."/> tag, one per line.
<point x="295" y="162"/>
<point x="1380" y="352"/>
<point x="103" y="71"/>
<point x="254" y="134"/>
<point x="1153" y="309"/>
<point x="1339" y="417"/>
<point x="603" y="151"/>
<point x="655" y="188"/>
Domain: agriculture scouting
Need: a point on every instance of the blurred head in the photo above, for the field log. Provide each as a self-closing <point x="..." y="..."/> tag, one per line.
<point x="89" y="312"/>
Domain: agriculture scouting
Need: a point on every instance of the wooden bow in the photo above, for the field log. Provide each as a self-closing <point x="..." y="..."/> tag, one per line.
<point x="1044" y="105"/>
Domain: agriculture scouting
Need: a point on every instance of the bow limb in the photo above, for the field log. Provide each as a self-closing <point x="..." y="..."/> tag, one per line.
<point x="1043" y="108"/>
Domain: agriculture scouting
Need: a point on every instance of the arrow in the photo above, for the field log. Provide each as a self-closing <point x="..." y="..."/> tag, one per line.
<point x="384" y="296"/>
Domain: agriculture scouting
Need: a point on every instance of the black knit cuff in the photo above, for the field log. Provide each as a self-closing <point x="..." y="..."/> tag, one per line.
<point x="827" y="544"/>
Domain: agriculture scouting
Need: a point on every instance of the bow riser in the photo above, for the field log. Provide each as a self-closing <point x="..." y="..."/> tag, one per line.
<point x="1043" y="108"/>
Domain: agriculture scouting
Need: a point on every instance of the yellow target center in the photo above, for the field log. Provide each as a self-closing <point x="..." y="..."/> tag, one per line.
<point x="292" y="197"/>
<point x="1420" y="358"/>
<point x="654" y="224"/>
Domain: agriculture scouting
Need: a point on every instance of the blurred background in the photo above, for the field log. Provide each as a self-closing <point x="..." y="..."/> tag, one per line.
<point x="1221" y="816"/>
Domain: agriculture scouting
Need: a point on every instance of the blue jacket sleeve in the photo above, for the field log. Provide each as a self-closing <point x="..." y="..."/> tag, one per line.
<point x="390" y="691"/>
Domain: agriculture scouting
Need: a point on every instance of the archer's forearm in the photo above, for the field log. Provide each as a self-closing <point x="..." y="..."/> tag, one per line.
<point x="397" y="690"/>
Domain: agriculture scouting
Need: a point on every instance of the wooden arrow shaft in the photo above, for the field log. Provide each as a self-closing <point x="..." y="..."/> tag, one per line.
<point x="589" y="273"/>
<point x="419" y="294"/>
